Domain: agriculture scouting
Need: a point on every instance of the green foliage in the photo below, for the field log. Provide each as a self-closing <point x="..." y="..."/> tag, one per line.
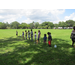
<point x="70" y="23"/>
<point x="2" y="25"/>
<point x="31" y="25"/>
<point x="63" y="24"/>
<point x="47" y="24"/>
<point x="15" y="25"/>
<point x="56" y="25"/>
<point x="36" y="24"/>
<point x="44" y="25"/>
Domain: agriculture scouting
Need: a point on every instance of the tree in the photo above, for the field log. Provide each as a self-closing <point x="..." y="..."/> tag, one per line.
<point x="56" y="25"/>
<point x="36" y="25"/>
<point x="2" y="25"/>
<point x="20" y="26"/>
<point x="47" y="24"/>
<point x="24" y="25"/>
<point x="7" y="25"/>
<point x="28" y="26"/>
<point x="51" y="25"/>
<point x="70" y="23"/>
<point x="63" y="24"/>
<point x="15" y="24"/>
<point x="31" y="25"/>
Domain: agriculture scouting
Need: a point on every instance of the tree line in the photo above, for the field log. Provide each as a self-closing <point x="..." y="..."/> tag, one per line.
<point x="36" y="25"/>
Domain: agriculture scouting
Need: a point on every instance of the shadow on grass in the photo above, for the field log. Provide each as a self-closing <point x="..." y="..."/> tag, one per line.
<point x="30" y="53"/>
<point x="7" y="41"/>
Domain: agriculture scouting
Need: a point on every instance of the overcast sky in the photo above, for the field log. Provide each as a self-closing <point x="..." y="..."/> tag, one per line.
<point x="36" y="15"/>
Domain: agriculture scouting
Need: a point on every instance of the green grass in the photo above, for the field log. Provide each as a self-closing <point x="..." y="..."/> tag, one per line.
<point x="16" y="51"/>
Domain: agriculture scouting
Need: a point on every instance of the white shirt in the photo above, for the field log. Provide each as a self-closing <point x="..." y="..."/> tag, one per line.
<point x="38" y="34"/>
<point x="35" y="35"/>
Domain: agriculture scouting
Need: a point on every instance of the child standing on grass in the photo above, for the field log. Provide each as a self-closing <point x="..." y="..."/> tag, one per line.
<point x="39" y="33"/>
<point x="49" y="39"/>
<point x="28" y="34"/>
<point x="31" y="35"/>
<point x="25" y="34"/>
<point x="16" y="33"/>
<point x="45" y="38"/>
<point x="35" y="36"/>
<point x="73" y="36"/>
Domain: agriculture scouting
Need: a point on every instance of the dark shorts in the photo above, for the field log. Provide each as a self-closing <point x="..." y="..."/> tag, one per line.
<point x="73" y="39"/>
<point x="16" y="34"/>
<point x="38" y="38"/>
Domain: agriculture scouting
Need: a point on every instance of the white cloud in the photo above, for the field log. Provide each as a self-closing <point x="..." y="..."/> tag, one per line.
<point x="36" y="15"/>
<point x="72" y="17"/>
<point x="28" y="20"/>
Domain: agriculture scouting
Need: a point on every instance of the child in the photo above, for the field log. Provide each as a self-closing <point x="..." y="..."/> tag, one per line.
<point x="49" y="39"/>
<point x="38" y="36"/>
<point x="73" y="36"/>
<point x="23" y="34"/>
<point x="45" y="38"/>
<point x="35" y="36"/>
<point x="16" y="33"/>
<point x="31" y="35"/>
<point x="28" y="34"/>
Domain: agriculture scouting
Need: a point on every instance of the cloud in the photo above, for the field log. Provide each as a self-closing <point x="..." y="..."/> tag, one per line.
<point x="72" y="17"/>
<point x="36" y="15"/>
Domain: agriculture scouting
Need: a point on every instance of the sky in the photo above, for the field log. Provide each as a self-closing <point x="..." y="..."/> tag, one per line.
<point x="36" y="15"/>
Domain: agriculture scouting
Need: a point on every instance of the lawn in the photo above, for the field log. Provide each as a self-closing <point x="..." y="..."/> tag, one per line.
<point x="16" y="51"/>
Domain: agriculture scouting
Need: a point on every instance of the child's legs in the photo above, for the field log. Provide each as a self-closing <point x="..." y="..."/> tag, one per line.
<point x="44" y="41"/>
<point x="29" y="37"/>
<point x="49" y="43"/>
<point x="23" y="36"/>
<point x="38" y="39"/>
<point x="35" y="39"/>
<point x="72" y="41"/>
<point x="26" y="36"/>
<point x="32" y="38"/>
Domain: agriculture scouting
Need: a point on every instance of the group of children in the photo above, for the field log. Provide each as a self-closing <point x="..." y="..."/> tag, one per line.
<point x="30" y="35"/>
<point x="49" y="38"/>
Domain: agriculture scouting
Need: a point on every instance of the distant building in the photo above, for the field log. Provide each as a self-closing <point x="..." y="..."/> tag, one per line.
<point x="54" y="28"/>
<point x="69" y="27"/>
<point x="60" y="27"/>
<point x="65" y="27"/>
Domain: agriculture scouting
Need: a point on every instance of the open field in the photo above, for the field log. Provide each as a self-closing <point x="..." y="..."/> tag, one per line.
<point x="15" y="51"/>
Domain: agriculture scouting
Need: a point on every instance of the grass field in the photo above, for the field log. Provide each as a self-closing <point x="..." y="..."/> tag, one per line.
<point x="16" y="51"/>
